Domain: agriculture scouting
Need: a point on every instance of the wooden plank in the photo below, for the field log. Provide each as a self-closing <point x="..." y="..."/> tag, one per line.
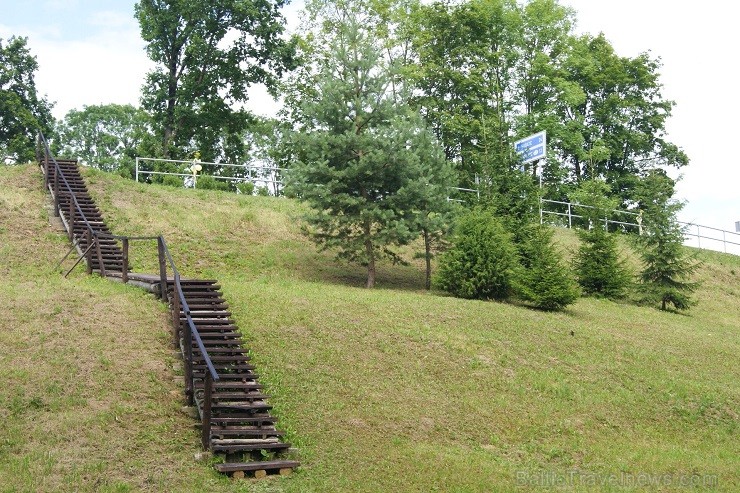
<point x="256" y="465"/>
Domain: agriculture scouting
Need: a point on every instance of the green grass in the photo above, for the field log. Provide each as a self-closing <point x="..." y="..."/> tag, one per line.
<point x="393" y="389"/>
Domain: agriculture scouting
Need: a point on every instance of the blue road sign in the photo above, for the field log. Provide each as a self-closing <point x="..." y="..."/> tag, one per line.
<point x="532" y="148"/>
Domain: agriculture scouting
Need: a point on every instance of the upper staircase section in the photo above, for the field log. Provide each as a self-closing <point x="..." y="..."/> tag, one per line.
<point x="79" y="214"/>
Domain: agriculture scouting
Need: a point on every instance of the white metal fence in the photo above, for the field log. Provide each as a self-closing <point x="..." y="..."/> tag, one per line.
<point x="560" y="213"/>
<point x="258" y="175"/>
<point x="696" y="235"/>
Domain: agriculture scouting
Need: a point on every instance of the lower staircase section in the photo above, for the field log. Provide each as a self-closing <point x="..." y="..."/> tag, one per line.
<point x="241" y="426"/>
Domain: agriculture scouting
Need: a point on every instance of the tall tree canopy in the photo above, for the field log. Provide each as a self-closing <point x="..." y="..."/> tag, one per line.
<point x="365" y="163"/>
<point x="22" y="112"/>
<point x="208" y="54"/>
<point x="487" y="72"/>
<point x="620" y="109"/>
<point x="106" y="137"/>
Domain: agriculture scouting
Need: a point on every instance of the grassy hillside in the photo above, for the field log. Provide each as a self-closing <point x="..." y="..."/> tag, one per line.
<point x="393" y="389"/>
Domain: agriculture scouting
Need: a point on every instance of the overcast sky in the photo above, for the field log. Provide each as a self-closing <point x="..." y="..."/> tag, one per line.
<point x="91" y="52"/>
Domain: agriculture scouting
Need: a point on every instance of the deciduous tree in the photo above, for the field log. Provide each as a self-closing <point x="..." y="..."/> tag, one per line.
<point x="207" y="55"/>
<point x="106" y="137"/>
<point x="22" y="112"/>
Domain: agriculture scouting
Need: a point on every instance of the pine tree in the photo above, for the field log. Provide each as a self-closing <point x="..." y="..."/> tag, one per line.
<point x="667" y="270"/>
<point x="365" y="164"/>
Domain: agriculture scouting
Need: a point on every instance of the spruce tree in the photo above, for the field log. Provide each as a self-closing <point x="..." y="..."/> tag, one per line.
<point x="599" y="269"/>
<point x="482" y="261"/>
<point x="544" y="279"/>
<point x="667" y="266"/>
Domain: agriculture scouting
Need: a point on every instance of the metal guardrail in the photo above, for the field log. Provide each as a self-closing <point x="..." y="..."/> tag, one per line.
<point x="180" y="304"/>
<point x="569" y="207"/>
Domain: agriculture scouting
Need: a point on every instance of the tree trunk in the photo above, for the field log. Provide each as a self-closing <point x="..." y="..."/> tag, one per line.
<point x="370" y="256"/>
<point x="169" y="124"/>
<point x="428" y="258"/>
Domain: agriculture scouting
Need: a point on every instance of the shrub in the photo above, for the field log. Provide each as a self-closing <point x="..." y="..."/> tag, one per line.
<point x="207" y="182"/>
<point x="246" y="188"/>
<point x="544" y="279"/>
<point x="481" y="260"/>
<point x="172" y="181"/>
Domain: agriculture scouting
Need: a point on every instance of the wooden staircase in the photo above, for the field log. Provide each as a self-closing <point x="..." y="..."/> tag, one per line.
<point x="234" y="410"/>
<point x="78" y="211"/>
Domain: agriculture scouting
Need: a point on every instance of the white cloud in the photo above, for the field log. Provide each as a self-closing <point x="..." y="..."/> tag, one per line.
<point x="83" y="73"/>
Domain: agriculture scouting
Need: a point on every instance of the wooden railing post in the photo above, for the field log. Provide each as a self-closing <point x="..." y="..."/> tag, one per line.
<point x="175" y="317"/>
<point x="162" y="269"/>
<point x="206" y="426"/>
<point x="71" y="220"/>
<point x="101" y="265"/>
<point x="88" y="255"/>
<point x="124" y="267"/>
<point x="46" y="171"/>
<point x="56" y="192"/>
<point x="188" y="360"/>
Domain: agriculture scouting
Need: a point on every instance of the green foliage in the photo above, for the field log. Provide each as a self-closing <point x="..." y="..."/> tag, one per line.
<point x="106" y="137"/>
<point x="464" y="71"/>
<point x="246" y="188"/>
<point x="269" y="145"/>
<point x="600" y="270"/>
<point x="173" y="181"/>
<point x="667" y="266"/>
<point x="208" y="54"/>
<point x="616" y="124"/>
<point x="22" y="112"/>
<point x="208" y="182"/>
<point x="544" y="279"/>
<point x="366" y="164"/>
<point x="487" y="72"/>
<point x="595" y="196"/>
<point x="481" y="262"/>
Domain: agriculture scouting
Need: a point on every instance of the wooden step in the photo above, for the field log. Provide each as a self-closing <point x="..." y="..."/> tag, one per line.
<point x="238" y="396"/>
<point x="249" y="447"/>
<point x="233" y="421"/>
<point x="245" y="407"/>
<point x="283" y="466"/>
<point x="238" y="376"/>
<point x="232" y="385"/>
<point x="254" y="432"/>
